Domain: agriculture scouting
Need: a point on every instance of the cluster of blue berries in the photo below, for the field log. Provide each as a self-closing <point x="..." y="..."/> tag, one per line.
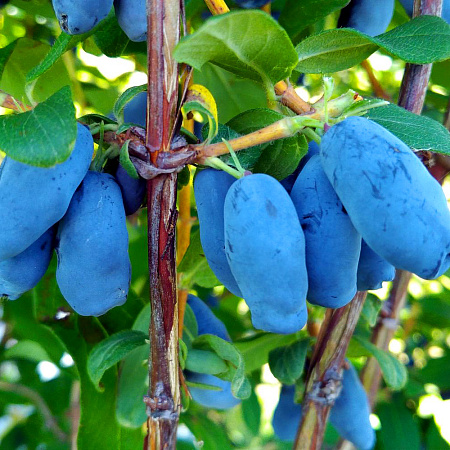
<point x="361" y="206"/>
<point x="77" y="212"/>
<point x="80" y="16"/>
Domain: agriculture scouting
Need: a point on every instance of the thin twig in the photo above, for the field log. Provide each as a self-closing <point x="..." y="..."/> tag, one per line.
<point x="41" y="405"/>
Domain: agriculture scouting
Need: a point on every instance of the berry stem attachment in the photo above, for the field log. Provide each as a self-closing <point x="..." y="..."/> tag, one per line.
<point x="217" y="163"/>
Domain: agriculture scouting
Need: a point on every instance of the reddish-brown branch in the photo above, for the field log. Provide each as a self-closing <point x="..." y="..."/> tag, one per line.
<point x="9" y="102"/>
<point x="323" y="378"/>
<point x="163" y="400"/>
<point x="377" y="88"/>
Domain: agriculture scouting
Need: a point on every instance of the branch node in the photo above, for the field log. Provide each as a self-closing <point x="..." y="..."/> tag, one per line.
<point x="326" y="391"/>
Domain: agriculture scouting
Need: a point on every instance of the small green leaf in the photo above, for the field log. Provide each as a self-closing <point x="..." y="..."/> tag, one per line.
<point x="97" y="119"/>
<point x="199" y="99"/>
<point x="371" y="308"/>
<point x="333" y="50"/>
<point x="278" y="158"/>
<point x="133" y="381"/>
<point x="204" y="361"/>
<point x="286" y="363"/>
<point x="194" y="268"/>
<point x="256" y="349"/>
<point x="113" y="42"/>
<point x="126" y="163"/>
<point x="63" y="43"/>
<point x="418" y="132"/>
<point x="128" y="95"/>
<point x="190" y="326"/>
<point x="297" y="15"/>
<point x="394" y="372"/>
<point x="43" y="136"/>
<point x="233" y="94"/>
<point x="423" y="40"/>
<point x="5" y="53"/>
<point x="240" y="386"/>
<point x="26" y="349"/>
<point x="234" y="41"/>
<point x="251" y="413"/>
<point x="111" y="350"/>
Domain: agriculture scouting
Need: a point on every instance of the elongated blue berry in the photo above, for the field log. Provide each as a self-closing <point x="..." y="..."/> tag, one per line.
<point x="210" y="188"/>
<point x="94" y="269"/>
<point x="265" y="247"/>
<point x="22" y="272"/>
<point x="397" y="206"/>
<point x="332" y="243"/>
<point x="32" y="199"/>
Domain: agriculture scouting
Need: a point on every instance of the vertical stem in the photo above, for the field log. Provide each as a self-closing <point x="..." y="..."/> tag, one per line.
<point x="163" y="400"/>
<point x="384" y="331"/>
<point x="323" y="378"/>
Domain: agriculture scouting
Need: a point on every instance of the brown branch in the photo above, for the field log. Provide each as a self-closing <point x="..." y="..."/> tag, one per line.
<point x="9" y="102"/>
<point x="324" y="375"/>
<point x="163" y="400"/>
<point x="291" y="99"/>
<point x="377" y="88"/>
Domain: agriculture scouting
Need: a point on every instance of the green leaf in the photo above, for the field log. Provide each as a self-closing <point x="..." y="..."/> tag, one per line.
<point x="397" y="421"/>
<point x="199" y="99"/>
<point x="423" y="40"/>
<point x="190" y="326"/>
<point x="235" y="42"/>
<point x="240" y="386"/>
<point x="436" y="372"/>
<point x="286" y="363"/>
<point x="212" y="434"/>
<point x="133" y="381"/>
<point x="5" y="53"/>
<point x="371" y="308"/>
<point x="435" y="310"/>
<point x="28" y="328"/>
<point x="418" y="132"/>
<point x="97" y="119"/>
<point x="112" y="41"/>
<point x="434" y="438"/>
<point x="394" y="372"/>
<point x="125" y="162"/>
<point x="27" y="53"/>
<point x="128" y="95"/>
<point x="44" y="136"/>
<point x="247" y="157"/>
<point x="111" y="350"/>
<point x="333" y="50"/>
<point x="297" y="15"/>
<point x="204" y="361"/>
<point x="278" y="158"/>
<point x="233" y="94"/>
<point x="63" y="43"/>
<point x="194" y="268"/>
<point x="78" y="334"/>
<point x="251" y="413"/>
<point x="27" y="349"/>
<point x="255" y="349"/>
